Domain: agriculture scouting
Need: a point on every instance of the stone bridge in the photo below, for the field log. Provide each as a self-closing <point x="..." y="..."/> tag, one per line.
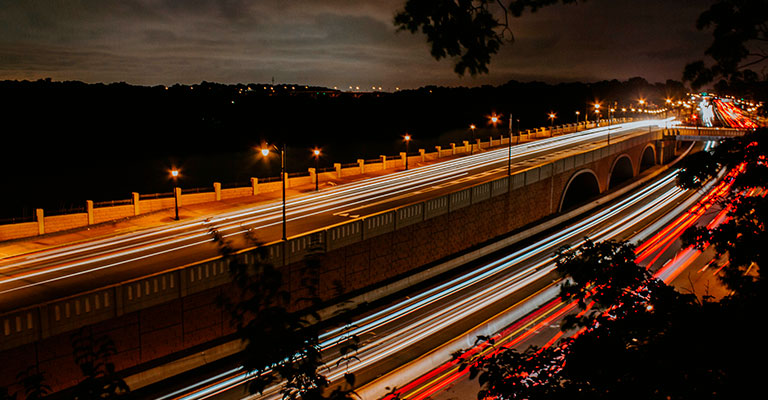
<point x="173" y="315"/>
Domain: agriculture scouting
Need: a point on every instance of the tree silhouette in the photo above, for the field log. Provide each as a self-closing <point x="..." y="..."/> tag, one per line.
<point x="281" y="347"/>
<point x="646" y="342"/>
<point x="471" y="33"/>
<point x="6" y="395"/>
<point x="466" y="30"/>
<point x="33" y="381"/>
<point x="92" y="355"/>
<point x="742" y="237"/>
<point x="739" y="30"/>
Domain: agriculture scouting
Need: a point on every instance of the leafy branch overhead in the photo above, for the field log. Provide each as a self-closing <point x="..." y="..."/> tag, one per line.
<point x="466" y="30"/>
<point x="472" y="31"/>
<point x="740" y="31"/>
<point x="469" y="31"/>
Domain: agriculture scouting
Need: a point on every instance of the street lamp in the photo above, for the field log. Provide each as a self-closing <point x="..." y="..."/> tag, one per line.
<point x="472" y="144"/>
<point x="552" y="117"/>
<point x="265" y="153"/>
<point x="316" y="153"/>
<point x="597" y="114"/>
<point x="407" y="138"/>
<point x="509" y="146"/>
<point x="577" y="120"/>
<point x="175" y="177"/>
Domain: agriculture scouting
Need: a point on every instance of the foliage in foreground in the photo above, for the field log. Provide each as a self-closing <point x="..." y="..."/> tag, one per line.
<point x="639" y="339"/>
<point x="281" y="347"/>
<point x="741" y="240"/>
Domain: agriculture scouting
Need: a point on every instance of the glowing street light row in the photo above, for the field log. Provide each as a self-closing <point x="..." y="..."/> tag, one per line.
<point x="491" y="275"/>
<point x="58" y="264"/>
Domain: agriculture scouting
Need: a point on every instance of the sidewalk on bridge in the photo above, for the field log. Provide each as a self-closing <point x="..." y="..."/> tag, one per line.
<point x="166" y="217"/>
<point x="30" y="245"/>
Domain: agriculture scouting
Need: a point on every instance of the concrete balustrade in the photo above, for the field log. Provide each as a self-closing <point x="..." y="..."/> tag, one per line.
<point x="139" y="204"/>
<point x="358" y="253"/>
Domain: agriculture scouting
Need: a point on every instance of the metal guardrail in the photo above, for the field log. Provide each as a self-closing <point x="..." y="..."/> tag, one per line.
<point x="295" y="174"/>
<point x="112" y="203"/>
<point x="17" y="220"/>
<point x="64" y="211"/>
<point x="146" y="196"/>
<point x="197" y="190"/>
<point x="234" y="185"/>
<point x="270" y="179"/>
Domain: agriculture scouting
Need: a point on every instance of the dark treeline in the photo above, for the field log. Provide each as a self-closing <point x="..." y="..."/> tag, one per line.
<point x="65" y="142"/>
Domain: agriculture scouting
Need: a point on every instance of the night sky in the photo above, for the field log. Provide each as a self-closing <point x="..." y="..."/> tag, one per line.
<point x="332" y="43"/>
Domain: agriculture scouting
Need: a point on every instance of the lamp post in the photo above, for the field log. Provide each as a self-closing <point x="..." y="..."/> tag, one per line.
<point x="552" y="117"/>
<point x="597" y="114"/>
<point x="265" y="153"/>
<point x="509" y="146"/>
<point x="577" y="120"/>
<point x="494" y="119"/>
<point x="316" y="153"/>
<point x="407" y="138"/>
<point x="472" y="143"/>
<point x="610" y="123"/>
<point x="175" y="177"/>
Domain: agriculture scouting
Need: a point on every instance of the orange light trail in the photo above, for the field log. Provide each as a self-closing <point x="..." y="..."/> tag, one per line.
<point x="449" y="373"/>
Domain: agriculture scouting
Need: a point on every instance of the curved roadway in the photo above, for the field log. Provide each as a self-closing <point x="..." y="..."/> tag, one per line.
<point x="48" y="275"/>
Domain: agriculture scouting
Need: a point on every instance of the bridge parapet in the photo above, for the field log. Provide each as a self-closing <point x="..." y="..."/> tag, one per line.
<point x="40" y="321"/>
<point x="154" y="316"/>
<point x="698" y="133"/>
<point x="167" y="312"/>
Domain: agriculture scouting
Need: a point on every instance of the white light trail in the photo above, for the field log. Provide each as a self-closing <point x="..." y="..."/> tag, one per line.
<point x="386" y="345"/>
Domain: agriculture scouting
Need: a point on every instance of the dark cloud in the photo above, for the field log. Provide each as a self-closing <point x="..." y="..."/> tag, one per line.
<point x="332" y="42"/>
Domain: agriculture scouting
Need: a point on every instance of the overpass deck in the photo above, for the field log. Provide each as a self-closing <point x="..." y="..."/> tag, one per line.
<point x="34" y="287"/>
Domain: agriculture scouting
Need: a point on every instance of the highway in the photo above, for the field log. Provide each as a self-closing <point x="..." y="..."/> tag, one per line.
<point x="661" y="253"/>
<point x="55" y="273"/>
<point x="403" y="331"/>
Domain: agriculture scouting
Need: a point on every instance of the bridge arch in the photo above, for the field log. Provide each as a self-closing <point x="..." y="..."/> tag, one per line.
<point x="582" y="186"/>
<point x="648" y="157"/>
<point x="622" y="170"/>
